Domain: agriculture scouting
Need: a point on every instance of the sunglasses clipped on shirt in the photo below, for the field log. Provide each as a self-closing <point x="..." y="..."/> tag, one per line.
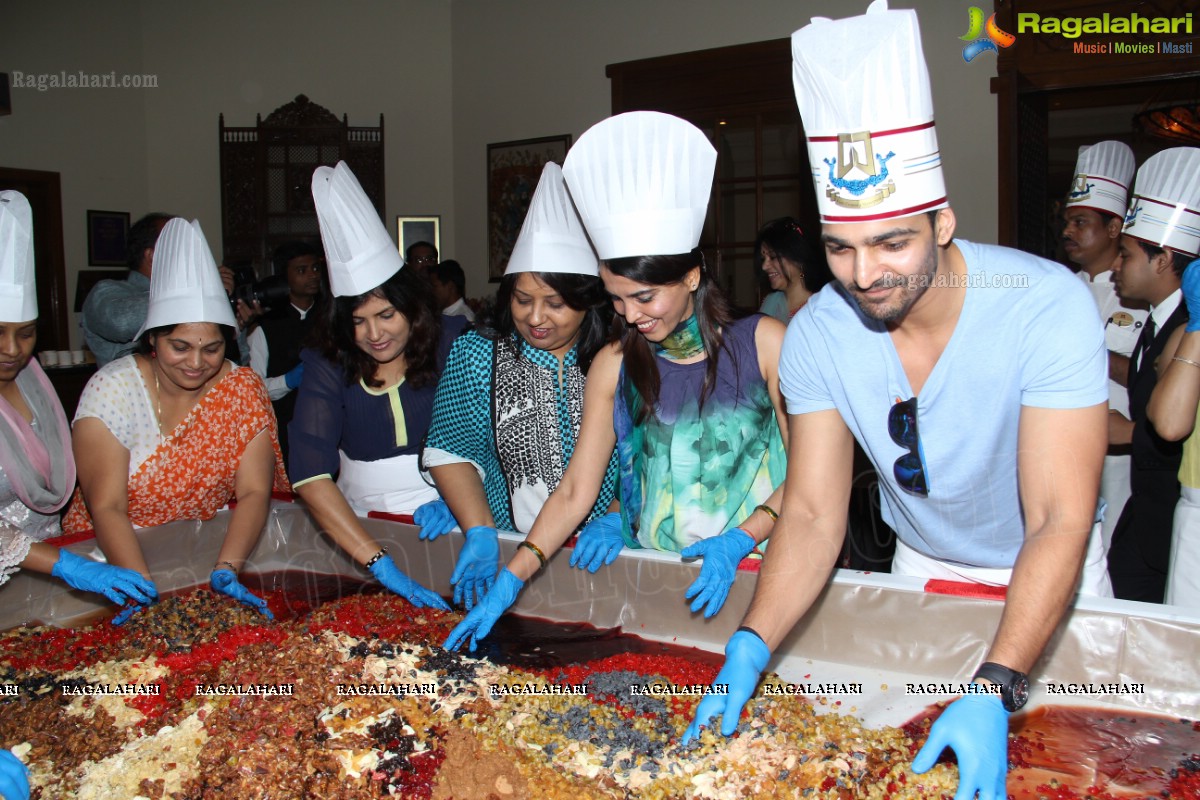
<point x="909" y="468"/>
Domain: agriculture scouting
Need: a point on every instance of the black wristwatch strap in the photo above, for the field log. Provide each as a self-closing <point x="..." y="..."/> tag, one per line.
<point x="1014" y="686"/>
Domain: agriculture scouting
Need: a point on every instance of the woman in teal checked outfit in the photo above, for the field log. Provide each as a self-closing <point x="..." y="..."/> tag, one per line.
<point x="686" y="392"/>
<point x="510" y="400"/>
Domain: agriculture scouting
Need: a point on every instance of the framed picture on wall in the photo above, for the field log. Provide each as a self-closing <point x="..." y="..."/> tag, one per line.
<point x="513" y="171"/>
<point x="106" y="233"/>
<point x="410" y="230"/>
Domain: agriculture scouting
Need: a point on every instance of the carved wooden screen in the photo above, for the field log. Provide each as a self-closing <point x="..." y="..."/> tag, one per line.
<point x="266" y="176"/>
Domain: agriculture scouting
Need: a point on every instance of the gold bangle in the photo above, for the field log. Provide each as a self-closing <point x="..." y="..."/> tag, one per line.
<point x="537" y="551"/>
<point x="766" y="509"/>
<point x="1186" y="361"/>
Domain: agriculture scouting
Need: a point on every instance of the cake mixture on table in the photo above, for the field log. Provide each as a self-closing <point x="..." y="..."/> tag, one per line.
<point x="196" y="697"/>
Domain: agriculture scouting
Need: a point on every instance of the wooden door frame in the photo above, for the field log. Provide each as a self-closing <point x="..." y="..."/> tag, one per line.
<point x="44" y="192"/>
<point x="1047" y="63"/>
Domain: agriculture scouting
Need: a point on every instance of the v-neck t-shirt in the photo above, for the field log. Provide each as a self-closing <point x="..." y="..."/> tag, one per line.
<point x="1027" y="335"/>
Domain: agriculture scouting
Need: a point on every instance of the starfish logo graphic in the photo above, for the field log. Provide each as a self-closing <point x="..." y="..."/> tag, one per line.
<point x="981" y="37"/>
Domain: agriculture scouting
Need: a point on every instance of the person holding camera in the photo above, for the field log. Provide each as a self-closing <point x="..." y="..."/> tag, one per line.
<point x="284" y="327"/>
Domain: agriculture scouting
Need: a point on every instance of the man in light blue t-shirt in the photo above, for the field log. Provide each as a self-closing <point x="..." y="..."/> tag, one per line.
<point x="973" y="376"/>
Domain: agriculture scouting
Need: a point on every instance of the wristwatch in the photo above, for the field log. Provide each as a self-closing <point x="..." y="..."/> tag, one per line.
<point x="1014" y="686"/>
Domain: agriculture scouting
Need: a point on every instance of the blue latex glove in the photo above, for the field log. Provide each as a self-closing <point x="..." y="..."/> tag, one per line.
<point x="14" y="779"/>
<point x="975" y="726"/>
<point x="128" y="611"/>
<point x="721" y="555"/>
<point x="435" y="519"/>
<point x="746" y="656"/>
<point x="599" y="543"/>
<point x="225" y="581"/>
<point x="294" y="375"/>
<point x="387" y="573"/>
<point x="116" y="583"/>
<point x="475" y="571"/>
<point x="481" y="619"/>
<point x="1191" y="294"/>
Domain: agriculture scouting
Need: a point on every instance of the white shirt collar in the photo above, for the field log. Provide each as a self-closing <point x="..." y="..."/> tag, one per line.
<point x="1163" y="311"/>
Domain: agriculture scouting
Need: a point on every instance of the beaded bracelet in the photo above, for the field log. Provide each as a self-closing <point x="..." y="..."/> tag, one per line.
<point x="232" y="568"/>
<point x="537" y="551"/>
<point x="371" y="561"/>
<point x="1186" y="360"/>
<point x="766" y="509"/>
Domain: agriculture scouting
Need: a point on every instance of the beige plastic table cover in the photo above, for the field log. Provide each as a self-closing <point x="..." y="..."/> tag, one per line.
<point x="880" y="631"/>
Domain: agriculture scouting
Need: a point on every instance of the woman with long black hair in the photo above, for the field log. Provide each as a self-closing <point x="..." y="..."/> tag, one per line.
<point x="687" y="393"/>
<point x="367" y="393"/>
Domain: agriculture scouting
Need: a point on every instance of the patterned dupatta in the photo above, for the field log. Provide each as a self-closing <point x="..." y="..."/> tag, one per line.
<point x="40" y="468"/>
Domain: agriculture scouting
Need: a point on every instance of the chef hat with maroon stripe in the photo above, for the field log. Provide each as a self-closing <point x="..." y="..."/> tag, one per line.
<point x="863" y="91"/>
<point x="1103" y="173"/>
<point x="1165" y="208"/>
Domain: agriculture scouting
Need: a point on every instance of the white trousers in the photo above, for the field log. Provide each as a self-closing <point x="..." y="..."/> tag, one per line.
<point x="1114" y="488"/>
<point x="1183" y="576"/>
<point x="1094" y="580"/>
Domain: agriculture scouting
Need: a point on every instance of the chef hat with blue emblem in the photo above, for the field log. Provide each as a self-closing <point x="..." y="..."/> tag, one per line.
<point x="1103" y="173"/>
<point x="1165" y="207"/>
<point x="863" y="91"/>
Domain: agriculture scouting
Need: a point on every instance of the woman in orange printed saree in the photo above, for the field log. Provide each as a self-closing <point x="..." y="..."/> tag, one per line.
<point x="176" y="431"/>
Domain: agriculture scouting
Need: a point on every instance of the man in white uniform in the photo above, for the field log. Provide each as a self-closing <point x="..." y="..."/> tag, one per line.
<point x="1094" y="213"/>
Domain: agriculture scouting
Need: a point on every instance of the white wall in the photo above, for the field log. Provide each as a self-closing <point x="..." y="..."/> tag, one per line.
<point x="536" y="68"/>
<point x="356" y="57"/>
<point x="140" y="150"/>
<point x="96" y="138"/>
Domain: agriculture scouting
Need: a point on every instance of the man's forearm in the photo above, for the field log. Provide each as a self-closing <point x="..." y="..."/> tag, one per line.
<point x="796" y="568"/>
<point x="1043" y="582"/>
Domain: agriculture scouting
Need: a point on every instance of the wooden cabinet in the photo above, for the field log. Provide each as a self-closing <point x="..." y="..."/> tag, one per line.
<point x="266" y="176"/>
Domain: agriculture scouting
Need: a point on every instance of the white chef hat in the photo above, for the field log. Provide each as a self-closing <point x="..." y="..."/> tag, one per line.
<point x="1103" y="173"/>
<point x="641" y="182"/>
<point x="18" y="292"/>
<point x="358" y="250"/>
<point x="552" y="238"/>
<point x="185" y="285"/>
<point x="1165" y="208"/>
<point x="863" y="91"/>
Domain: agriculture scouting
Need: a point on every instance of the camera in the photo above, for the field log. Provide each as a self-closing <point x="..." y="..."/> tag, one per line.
<point x="270" y="292"/>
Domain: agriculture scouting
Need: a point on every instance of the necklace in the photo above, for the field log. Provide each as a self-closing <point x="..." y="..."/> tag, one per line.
<point x="683" y="342"/>
<point x="158" y="402"/>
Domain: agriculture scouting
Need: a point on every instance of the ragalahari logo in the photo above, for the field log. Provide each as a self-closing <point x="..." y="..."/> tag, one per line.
<point x="995" y="38"/>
